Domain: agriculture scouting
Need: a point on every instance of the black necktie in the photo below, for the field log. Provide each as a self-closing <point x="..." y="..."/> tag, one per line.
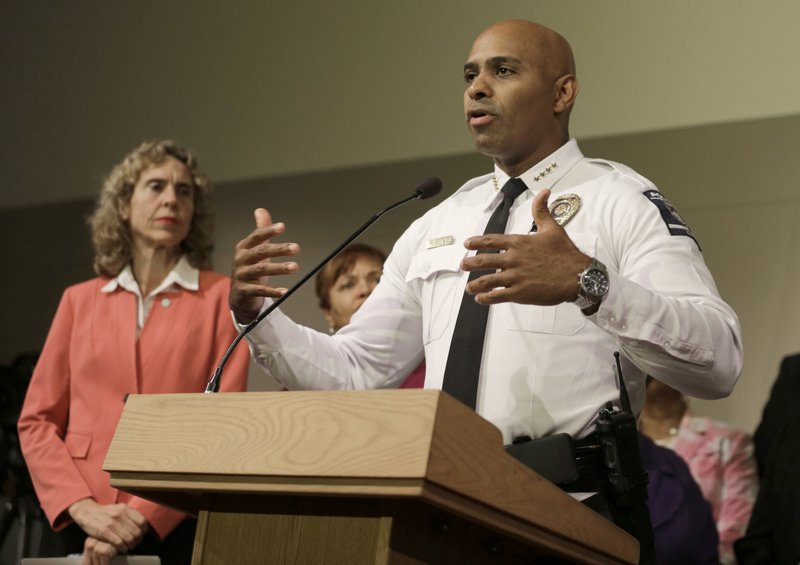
<point x="464" y="360"/>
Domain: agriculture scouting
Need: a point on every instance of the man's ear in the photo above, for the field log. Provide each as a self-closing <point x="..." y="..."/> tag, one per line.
<point x="565" y="91"/>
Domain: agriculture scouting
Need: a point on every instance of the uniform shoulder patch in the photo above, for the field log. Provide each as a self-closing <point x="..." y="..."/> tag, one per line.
<point x="670" y="215"/>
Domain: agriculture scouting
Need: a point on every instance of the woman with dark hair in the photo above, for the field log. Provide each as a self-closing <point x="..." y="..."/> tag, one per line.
<point x="345" y="283"/>
<point x="155" y="320"/>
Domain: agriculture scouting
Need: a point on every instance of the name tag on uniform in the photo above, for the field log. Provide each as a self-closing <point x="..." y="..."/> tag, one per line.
<point x="441" y="241"/>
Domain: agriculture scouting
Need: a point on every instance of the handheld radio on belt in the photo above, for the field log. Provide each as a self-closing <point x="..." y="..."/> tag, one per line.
<point x="617" y="432"/>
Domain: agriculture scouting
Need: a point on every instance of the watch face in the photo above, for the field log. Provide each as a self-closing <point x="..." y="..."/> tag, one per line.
<point x="595" y="282"/>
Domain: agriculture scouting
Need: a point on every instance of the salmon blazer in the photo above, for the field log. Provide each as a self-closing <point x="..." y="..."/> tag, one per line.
<point x="92" y="360"/>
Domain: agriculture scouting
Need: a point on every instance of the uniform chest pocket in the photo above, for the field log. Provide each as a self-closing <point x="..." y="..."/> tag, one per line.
<point x="437" y="275"/>
<point x="563" y="319"/>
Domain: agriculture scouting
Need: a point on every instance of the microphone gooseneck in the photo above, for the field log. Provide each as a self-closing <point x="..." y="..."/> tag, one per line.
<point x="426" y="189"/>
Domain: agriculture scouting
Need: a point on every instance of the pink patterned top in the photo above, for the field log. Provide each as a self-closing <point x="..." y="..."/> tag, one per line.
<point x="720" y="458"/>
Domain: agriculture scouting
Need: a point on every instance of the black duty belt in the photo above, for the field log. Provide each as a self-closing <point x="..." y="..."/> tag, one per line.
<point x="575" y="465"/>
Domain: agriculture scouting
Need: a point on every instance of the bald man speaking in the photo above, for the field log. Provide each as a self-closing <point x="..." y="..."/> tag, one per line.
<point x="519" y="288"/>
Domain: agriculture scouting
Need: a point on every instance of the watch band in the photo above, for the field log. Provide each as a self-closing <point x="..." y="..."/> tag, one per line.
<point x="584" y="302"/>
<point x="587" y="298"/>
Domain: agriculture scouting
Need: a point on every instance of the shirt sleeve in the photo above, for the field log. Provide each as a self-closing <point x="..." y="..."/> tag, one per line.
<point x="663" y="307"/>
<point x="380" y="347"/>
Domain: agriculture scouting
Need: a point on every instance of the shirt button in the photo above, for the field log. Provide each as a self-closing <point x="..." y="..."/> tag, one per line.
<point x="612" y="319"/>
<point x="165" y="302"/>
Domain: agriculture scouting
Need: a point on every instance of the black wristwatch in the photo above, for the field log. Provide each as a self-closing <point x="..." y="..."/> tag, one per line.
<point x="592" y="285"/>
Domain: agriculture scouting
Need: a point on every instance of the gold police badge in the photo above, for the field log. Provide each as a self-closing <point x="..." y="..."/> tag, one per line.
<point x="564" y="208"/>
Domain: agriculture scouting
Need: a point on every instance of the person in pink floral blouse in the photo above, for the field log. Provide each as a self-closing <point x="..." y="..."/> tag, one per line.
<point x="719" y="456"/>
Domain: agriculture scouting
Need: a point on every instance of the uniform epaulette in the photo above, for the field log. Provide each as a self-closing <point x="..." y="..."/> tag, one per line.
<point x="623" y="170"/>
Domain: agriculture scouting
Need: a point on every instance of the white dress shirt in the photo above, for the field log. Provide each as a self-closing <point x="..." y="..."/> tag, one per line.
<point x="548" y="369"/>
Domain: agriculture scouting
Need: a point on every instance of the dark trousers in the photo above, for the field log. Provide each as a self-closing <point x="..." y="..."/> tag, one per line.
<point x="175" y="549"/>
<point x="633" y="518"/>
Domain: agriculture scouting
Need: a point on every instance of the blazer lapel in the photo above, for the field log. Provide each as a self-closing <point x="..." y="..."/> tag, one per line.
<point x="117" y="327"/>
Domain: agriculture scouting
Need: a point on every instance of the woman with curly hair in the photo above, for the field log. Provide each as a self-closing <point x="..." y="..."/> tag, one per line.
<point x="155" y="320"/>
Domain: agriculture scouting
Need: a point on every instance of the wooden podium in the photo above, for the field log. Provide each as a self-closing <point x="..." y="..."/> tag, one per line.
<point x="373" y="477"/>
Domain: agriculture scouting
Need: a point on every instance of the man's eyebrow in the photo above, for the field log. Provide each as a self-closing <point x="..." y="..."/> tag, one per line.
<point x="493" y="61"/>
